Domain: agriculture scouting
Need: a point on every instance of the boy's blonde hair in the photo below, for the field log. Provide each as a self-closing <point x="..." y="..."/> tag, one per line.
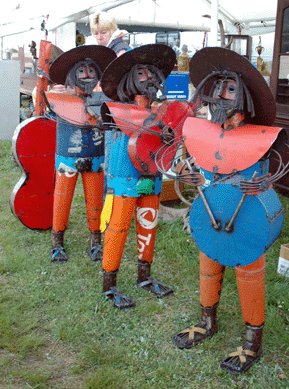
<point x="102" y="21"/>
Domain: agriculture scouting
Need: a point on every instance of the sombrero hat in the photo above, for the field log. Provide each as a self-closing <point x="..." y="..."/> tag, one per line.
<point x="60" y="67"/>
<point x="209" y="59"/>
<point x="161" y="56"/>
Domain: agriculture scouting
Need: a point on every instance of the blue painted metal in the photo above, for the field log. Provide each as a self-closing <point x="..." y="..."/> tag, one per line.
<point x="121" y="175"/>
<point x="262" y="167"/>
<point x="257" y="225"/>
<point x="78" y="142"/>
<point x="74" y="143"/>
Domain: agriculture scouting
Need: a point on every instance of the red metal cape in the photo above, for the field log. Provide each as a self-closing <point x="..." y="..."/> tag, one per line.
<point x="70" y="108"/>
<point x="131" y="118"/>
<point x="144" y="126"/>
<point x="220" y="151"/>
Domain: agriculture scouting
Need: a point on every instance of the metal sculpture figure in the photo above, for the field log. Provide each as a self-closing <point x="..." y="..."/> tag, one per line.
<point x="237" y="215"/>
<point x="79" y="143"/>
<point x="140" y="123"/>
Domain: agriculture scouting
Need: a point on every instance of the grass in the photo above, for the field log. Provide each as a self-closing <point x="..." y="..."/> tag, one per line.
<point x="58" y="331"/>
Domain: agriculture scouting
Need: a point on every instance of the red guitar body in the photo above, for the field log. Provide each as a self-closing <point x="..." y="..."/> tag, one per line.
<point x="33" y="147"/>
<point x="146" y="128"/>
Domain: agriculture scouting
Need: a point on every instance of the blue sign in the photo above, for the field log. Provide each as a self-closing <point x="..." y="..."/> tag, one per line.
<point x="177" y="85"/>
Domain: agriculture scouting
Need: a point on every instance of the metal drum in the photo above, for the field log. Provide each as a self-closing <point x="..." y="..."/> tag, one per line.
<point x="256" y="227"/>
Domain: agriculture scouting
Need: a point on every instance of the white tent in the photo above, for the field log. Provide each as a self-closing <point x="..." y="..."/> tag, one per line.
<point x="246" y="17"/>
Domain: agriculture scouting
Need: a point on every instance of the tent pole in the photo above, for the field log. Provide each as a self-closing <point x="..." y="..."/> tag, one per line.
<point x="213" y="35"/>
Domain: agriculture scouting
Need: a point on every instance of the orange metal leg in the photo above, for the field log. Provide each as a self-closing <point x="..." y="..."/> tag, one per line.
<point x="211" y="279"/>
<point x="116" y="232"/>
<point x="63" y="195"/>
<point x="146" y="218"/>
<point x="251" y="286"/>
<point x="93" y="192"/>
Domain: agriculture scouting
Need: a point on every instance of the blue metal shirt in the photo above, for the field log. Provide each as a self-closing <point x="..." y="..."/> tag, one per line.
<point x="77" y="145"/>
<point x="122" y="177"/>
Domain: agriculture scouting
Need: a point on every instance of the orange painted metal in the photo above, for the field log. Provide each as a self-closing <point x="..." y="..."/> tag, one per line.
<point x="225" y="151"/>
<point x="116" y="232"/>
<point x="63" y="195"/>
<point x="211" y="279"/>
<point x="93" y="192"/>
<point x="146" y="216"/>
<point x="251" y="286"/>
<point x="42" y="80"/>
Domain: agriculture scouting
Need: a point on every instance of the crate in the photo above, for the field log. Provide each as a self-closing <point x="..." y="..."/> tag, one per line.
<point x="283" y="263"/>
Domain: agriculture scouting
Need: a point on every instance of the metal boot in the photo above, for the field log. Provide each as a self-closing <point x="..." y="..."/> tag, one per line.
<point x="246" y="355"/>
<point x="207" y="327"/>
<point x="120" y="300"/>
<point x="58" y="253"/>
<point x="95" y="250"/>
<point x="148" y="283"/>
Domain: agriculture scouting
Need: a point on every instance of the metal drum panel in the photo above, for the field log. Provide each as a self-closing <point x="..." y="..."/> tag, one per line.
<point x="256" y="227"/>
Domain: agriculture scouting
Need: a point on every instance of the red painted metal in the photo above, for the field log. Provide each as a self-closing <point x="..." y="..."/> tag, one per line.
<point x="145" y="127"/>
<point x="224" y="151"/>
<point x="42" y="80"/>
<point x="70" y="108"/>
<point x="33" y="147"/>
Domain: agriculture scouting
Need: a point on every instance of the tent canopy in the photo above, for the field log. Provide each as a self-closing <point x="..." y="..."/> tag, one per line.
<point x="247" y="16"/>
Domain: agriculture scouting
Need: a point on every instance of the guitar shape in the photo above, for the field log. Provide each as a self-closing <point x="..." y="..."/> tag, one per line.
<point x="149" y="130"/>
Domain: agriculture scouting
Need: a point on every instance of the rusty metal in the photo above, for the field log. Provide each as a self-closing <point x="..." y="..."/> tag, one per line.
<point x="215" y="224"/>
<point x="228" y="228"/>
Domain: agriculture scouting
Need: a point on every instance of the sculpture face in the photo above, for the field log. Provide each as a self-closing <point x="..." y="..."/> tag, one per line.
<point x="147" y="81"/>
<point x="85" y="74"/>
<point x="145" y="74"/>
<point x="225" y="89"/>
<point x="224" y="95"/>
<point x="141" y="80"/>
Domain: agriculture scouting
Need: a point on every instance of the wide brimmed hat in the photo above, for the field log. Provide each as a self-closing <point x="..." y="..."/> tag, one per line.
<point x="161" y="56"/>
<point x="60" y="67"/>
<point x="209" y="59"/>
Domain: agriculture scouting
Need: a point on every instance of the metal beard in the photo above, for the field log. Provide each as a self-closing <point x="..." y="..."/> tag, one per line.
<point x="222" y="110"/>
<point x="86" y="87"/>
<point x="130" y="85"/>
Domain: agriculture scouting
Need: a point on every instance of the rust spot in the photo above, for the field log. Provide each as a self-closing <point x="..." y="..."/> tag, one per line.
<point x="217" y="155"/>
